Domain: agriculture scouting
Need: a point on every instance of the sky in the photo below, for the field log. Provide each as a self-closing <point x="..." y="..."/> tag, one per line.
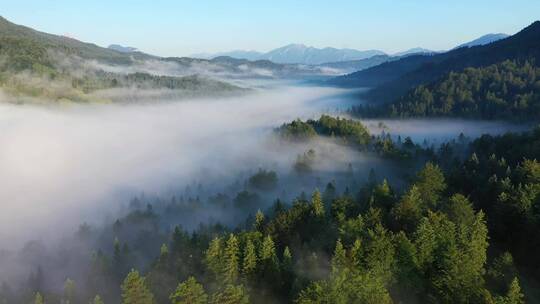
<point x="182" y="28"/>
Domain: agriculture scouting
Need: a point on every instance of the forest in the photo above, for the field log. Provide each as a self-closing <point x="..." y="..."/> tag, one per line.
<point x="444" y="237"/>
<point x="509" y="90"/>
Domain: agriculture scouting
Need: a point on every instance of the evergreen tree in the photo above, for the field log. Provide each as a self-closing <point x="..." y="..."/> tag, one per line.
<point x="135" y="291"/>
<point x="514" y="295"/>
<point x="189" y="292"/>
<point x="268" y="250"/>
<point x="431" y="184"/>
<point x="339" y="260"/>
<point x="317" y="204"/>
<point x="231" y="260"/>
<point x="213" y="257"/>
<point x="259" y="220"/>
<point x="232" y="294"/>
<point x="249" y="263"/>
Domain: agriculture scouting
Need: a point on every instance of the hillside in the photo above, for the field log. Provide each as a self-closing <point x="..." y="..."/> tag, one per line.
<point x="37" y="66"/>
<point x="508" y="90"/>
<point x="393" y="79"/>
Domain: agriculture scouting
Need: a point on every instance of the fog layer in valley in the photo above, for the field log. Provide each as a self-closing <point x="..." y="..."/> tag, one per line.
<point x="60" y="165"/>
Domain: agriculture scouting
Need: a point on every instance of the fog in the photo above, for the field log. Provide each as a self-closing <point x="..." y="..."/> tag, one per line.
<point x="62" y="164"/>
<point x="441" y="130"/>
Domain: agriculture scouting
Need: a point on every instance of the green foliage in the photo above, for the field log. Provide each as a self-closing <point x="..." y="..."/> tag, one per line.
<point x="431" y="184"/>
<point x="231" y="260"/>
<point x="347" y="130"/>
<point x="213" y="257"/>
<point x="135" y="291"/>
<point x="189" y="292"/>
<point x="249" y="264"/>
<point x="317" y="203"/>
<point x="507" y="90"/>
<point x="232" y="294"/>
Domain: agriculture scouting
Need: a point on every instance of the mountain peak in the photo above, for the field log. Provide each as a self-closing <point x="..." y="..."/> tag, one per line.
<point x="485" y="39"/>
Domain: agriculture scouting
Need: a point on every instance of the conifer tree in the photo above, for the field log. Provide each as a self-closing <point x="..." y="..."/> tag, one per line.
<point x="339" y="260"/>
<point x="232" y="294"/>
<point x="317" y="203"/>
<point x="213" y="257"/>
<point x="135" y="291"/>
<point x="249" y="263"/>
<point x="268" y="250"/>
<point x="514" y="295"/>
<point x="231" y="260"/>
<point x="259" y="220"/>
<point x="189" y="292"/>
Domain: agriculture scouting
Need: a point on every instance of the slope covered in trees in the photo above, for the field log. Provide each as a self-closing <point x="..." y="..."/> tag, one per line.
<point x="39" y="65"/>
<point x="458" y="232"/>
<point x="508" y="90"/>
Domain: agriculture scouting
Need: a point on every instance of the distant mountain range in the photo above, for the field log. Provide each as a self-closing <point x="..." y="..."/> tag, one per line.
<point x="299" y="54"/>
<point x="302" y="54"/>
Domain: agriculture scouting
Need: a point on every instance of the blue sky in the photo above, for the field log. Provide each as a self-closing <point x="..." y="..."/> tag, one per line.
<point x="178" y="28"/>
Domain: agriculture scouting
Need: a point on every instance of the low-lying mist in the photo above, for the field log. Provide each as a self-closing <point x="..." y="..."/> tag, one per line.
<point x="64" y="165"/>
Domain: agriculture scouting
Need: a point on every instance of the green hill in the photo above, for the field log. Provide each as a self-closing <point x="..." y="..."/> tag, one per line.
<point x="36" y="66"/>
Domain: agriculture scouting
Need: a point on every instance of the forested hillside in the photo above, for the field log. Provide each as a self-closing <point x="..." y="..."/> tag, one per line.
<point x="54" y="68"/>
<point x="459" y="232"/>
<point x="508" y="90"/>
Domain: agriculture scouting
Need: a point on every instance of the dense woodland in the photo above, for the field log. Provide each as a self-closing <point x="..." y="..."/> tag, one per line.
<point x="508" y="90"/>
<point x="458" y="232"/>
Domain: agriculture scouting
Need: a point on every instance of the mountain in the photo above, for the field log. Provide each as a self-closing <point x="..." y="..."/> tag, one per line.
<point x="413" y="51"/>
<point x="392" y="79"/>
<point x="122" y="49"/>
<point x="486" y="39"/>
<point x="298" y="54"/>
<point x="238" y="54"/>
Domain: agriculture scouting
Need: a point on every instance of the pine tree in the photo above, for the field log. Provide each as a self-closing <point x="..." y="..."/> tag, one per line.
<point x="232" y="294"/>
<point x="135" y="291"/>
<point x="339" y="260"/>
<point x="249" y="263"/>
<point x="514" y="295"/>
<point x="355" y="254"/>
<point x="317" y="203"/>
<point x="259" y="220"/>
<point x="231" y="257"/>
<point x="189" y="292"/>
<point x="268" y="250"/>
<point x="213" y="257"/>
